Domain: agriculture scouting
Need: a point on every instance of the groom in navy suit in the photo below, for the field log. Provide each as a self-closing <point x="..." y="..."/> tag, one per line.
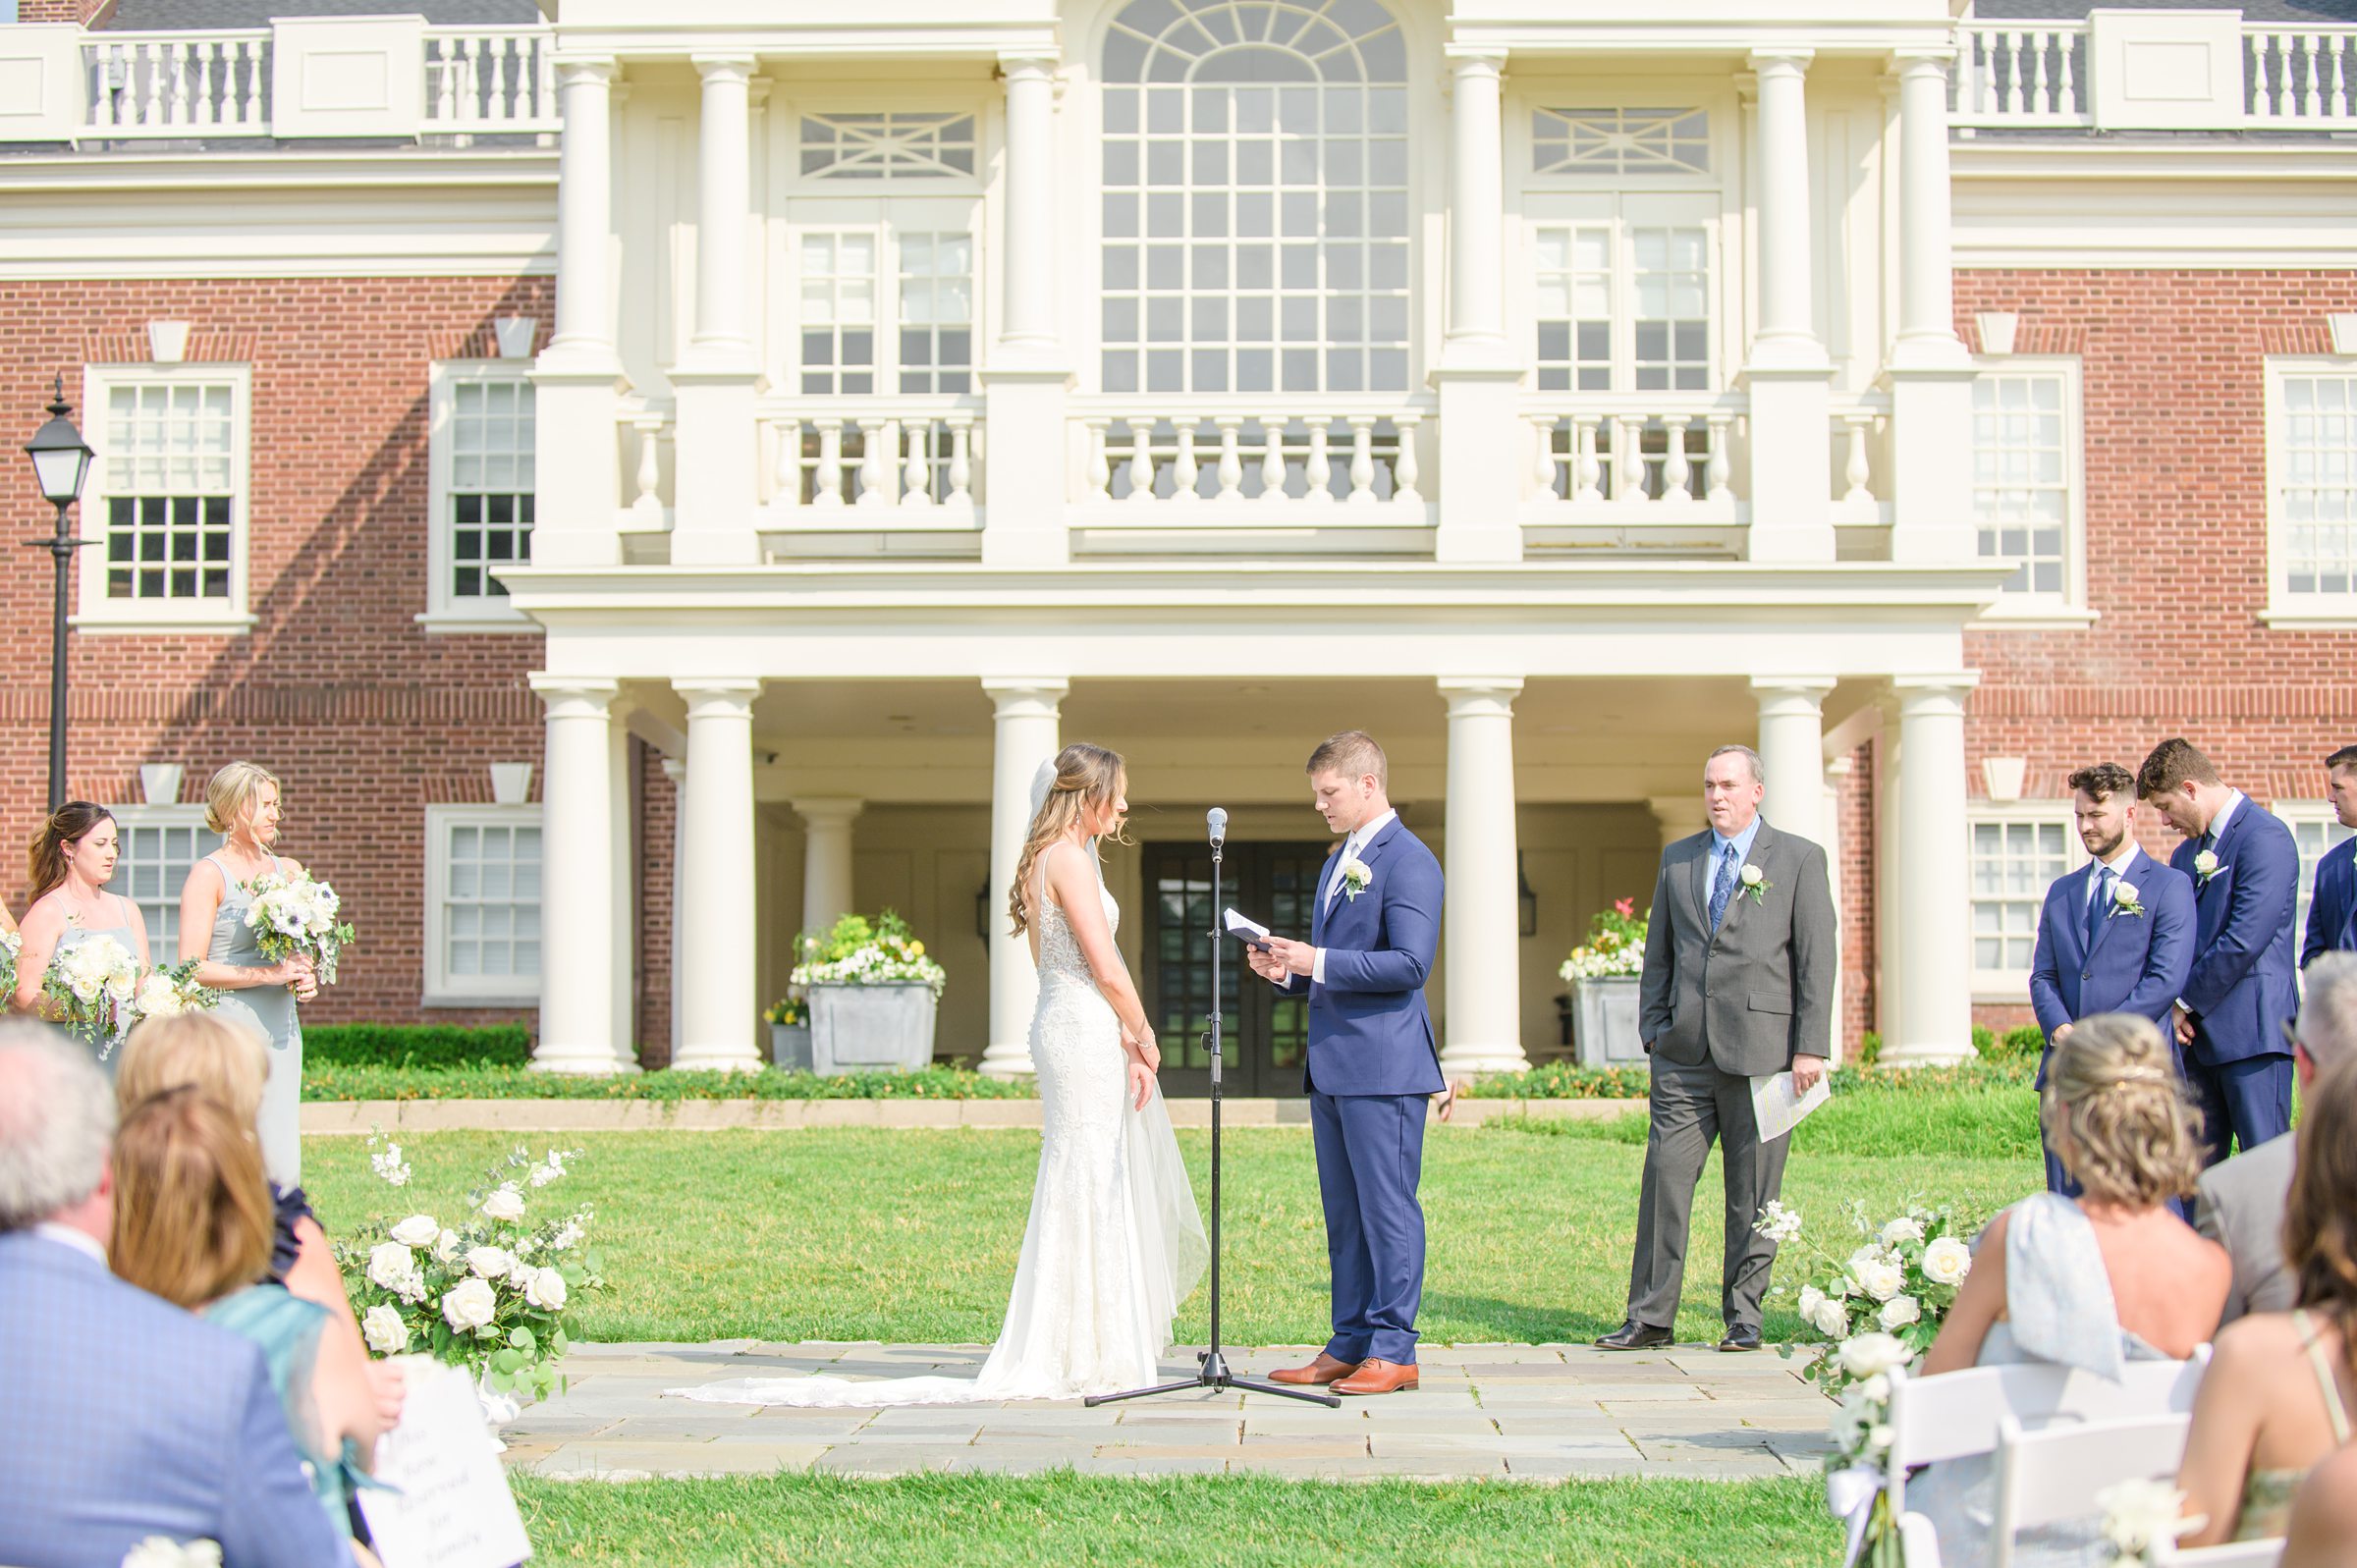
<point x="1372" y="1064"/>
<point x="2333" y="908"/>
<point x="2231" y="1013"/>
<point x="2115" y="936"/>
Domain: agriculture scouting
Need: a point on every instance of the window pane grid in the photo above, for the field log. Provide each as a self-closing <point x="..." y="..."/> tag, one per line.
<point x="2316" y="494"/>
<point x="1574" y="308"/>
<point x="893" y="146"/>
<point x="491" y="901"/>
<point x="1620" y="141"/>
<point x="839" y="313"/>
<point x="171" y="489"/>
<point x="2021" y="478"/>
<point x="2012" y="865"/>
<point x="154" y="865"/>
<point x="491" y="482"/>
<point x="937" y="312"/>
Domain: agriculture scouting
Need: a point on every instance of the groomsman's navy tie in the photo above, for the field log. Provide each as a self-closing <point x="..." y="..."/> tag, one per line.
<point x="1723" y="886"/>
<point x="2097" y="905"/>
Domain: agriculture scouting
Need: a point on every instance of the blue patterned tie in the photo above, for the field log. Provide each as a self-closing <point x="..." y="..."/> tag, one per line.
<point x="1722" y="887"/>
<point x="2096" y="904"/>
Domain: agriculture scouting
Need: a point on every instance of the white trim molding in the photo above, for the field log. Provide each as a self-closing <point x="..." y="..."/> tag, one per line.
<point x="113" y="475"/>
<point x="443" y="988"/>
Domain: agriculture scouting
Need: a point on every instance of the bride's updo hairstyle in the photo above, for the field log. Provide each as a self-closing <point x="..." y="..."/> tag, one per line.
<point x="2115" y="1116"/>
<point x="1087" y="779"/>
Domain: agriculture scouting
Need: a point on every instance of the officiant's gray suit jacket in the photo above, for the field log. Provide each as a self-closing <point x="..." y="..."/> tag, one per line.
<point x="1759" y="990"/>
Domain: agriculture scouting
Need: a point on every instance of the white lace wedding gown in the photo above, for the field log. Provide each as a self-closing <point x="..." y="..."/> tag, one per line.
<point x="1115" y="1240"/>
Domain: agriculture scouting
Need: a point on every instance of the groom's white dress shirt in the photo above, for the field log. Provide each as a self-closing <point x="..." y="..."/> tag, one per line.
<point x="1364" y="835"/>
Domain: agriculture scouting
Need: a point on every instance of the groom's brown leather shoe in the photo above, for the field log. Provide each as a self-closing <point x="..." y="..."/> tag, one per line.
<point x="1378" y="1378"/>
<point x="1319" y="1373"/>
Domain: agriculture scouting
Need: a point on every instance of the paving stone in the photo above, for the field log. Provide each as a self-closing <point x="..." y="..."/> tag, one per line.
<point x="621" y="1461"/>
<point x="1169" y="1465"/>
<point x="1368" y="1469"/>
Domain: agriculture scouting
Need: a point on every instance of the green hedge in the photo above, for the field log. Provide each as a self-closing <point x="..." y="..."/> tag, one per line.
<point x="433" y="1046"/>
<point x="376" y="1081"/>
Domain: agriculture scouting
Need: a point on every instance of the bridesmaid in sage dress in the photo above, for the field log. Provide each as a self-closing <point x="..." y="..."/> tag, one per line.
<point x="242" y="804"/>
<point x="73" y="859"/>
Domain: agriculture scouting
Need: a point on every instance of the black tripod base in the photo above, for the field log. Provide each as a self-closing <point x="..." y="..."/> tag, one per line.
<point x="1214" y="1374"/>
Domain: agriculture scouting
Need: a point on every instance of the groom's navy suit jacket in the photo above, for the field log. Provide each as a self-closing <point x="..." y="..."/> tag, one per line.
<point x="2138" y="963"/>
<point x="1370" y="1032"/>
<point x="2243" y="984"/>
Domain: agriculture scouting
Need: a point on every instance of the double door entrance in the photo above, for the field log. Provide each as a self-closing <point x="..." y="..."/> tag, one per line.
<point x="1265" y="1035"/>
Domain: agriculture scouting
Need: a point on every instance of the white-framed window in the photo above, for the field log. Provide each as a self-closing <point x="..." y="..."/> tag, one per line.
<point x="2027" y="491"/>
<point x="887" y="292"/>
<point x="1619" y="141"/>
<point x="2314" y="830"/>
<point x="481" y="462"/>
<point x="2312" y="489"/>
<point x="482" y="904"/>
<point x="2017" y="848"/>
<point x="1254" y="198"/>
<point x="161" y="846"/>
<point x="887" y="146"/>
<point x="1622" y="290"/>
<point x="166" y="503"/>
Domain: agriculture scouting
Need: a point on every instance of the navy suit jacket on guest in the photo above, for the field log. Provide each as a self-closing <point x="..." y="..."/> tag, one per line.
<point x="2332" y="910"/>
<point x="2138" y="963"/>
<point x="1370" y="1032"/>
<point x="2243" y="983"/>
<point x="125" y="1418"/>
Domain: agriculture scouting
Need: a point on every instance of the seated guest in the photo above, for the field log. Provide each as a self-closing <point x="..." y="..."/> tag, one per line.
<point x="2280" y="1385"/>
<point x="2241" y="1200"/>
<point x="193" y="1223"/>
<point x="126" y="1417"/>
<point x="2323" y="1521"/>
<point x="2093" y="1283"/>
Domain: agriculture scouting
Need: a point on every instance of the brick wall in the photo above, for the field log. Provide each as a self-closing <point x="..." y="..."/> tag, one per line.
<point x="80" y="11"/>
<point x="365" y="718"/>
<point x="2173" y="367"/>
<point x="658" y="801"/>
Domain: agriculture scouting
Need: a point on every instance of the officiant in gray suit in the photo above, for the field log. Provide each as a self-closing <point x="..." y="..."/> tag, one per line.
<point x="1738" y="984"/>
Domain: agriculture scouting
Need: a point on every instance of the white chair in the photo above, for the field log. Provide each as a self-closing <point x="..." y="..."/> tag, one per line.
<point x="2055" y="1473"/>
<point x="2230" y="1554"/>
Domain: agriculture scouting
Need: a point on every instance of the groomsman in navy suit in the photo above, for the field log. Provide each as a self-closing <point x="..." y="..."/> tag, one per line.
<point x="2333" y="907"/>
<point x="2229" y="1015"/>
<point x="2115" y="936"/>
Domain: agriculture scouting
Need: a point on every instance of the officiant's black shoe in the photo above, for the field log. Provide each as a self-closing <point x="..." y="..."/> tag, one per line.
<point x="1740" y="1337"/>
<point x="1634" y="1336"/>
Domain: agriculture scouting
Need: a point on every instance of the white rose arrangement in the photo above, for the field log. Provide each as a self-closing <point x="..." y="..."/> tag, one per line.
<point x="299" y="914"/>
<point x="2125" y="900"/>
<point x="11" y="944"/>
<point x="1356" y="876"/>
<point x="493" y="1293"/>
<point x="2140" y="1515"/>
<point x="1755" y="882"/>
<point x="90" y="988"/>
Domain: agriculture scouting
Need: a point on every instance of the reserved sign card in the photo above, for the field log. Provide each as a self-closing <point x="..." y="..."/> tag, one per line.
<point x="449" y="1504"/>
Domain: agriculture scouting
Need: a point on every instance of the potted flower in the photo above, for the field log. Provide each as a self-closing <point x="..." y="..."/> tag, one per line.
<point x="789" y="1032"/>
<point x="872" y="994"/>
<point x="1603" y="975"/>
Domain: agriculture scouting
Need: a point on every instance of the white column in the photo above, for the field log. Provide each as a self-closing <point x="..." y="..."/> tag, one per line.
<point x="1785" y="335"/>
<point x="717" y="919"/>
<point x="826" y="860"/>
<point x="1927" y="332"/>
<point x="1483" y="947"/>
<point x="723" y="199"/>
<point x="1026" y="386"/>
<point x="623" y="932"/>
<point x="715" y="491"/>
<point x="1476" y="210"/>
<point x="674" y="773"/>
<point x="1836" y="852"/>
<point x="584" y="206"/>
<point x="1793" y="751"/>
<point x="579" y="375"/>
<point x="1680" y="816"/>
<point x="1787" y="376"/>
<point x="1930" y="374"/>
<point x="576" y="890"/>
<point x="1026" y="727"/>
<point x="1027" y="321"/>
<point x="1933" y="926"/>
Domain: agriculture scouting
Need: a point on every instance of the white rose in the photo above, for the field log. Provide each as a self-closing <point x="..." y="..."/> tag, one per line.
<point x="2123" y="894"/>
<point x="1831" y="1319"/>
<point x="1852" y="1420"/>
<point x="446" y="1244"/>
<point x="1869" y="1354"/>
<point x="1903" y="1229"/>
<point x="1947" y="1262"/>
<point x="1811" y="1298"/>
<point x="389" y="1265"/>
<point x="1882" y="1279"/>
<point x="2205" y="863"/>
<point x="507" y="1203"/>
<point x="1878" y="1437"/>
<point x="383" y="1329"/>
<point x="545" y="1290"/>
<point x="469" y="1305"/>
<point x="566" y="1238"/>
<point x="1753" y="875"/>
<point x="1877" y="1388"/>
<point x="1871" y="1253"/>
<point x="1900" y="1311"/>
<point x="417" y="1230"/>
<point x="490" y="1263"/>
<point x="158" y="998"/>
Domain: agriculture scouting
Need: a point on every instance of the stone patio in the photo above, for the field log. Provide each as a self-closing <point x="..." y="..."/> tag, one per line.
<point x="1536" y="1412"/>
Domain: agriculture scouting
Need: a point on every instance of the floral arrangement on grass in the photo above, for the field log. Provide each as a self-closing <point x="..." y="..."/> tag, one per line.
<point x="859" y="952"/>
<point x="1877" y="1310"/>
<point x="1615" y="944"/>
<point x="297" y="915"/>
<point x="90" y="989"/>
<point x="788" y="1013"/>
<point x="493" y="1294"/>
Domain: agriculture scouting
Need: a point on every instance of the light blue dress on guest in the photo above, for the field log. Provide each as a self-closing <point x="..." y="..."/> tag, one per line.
<point x="271" y="1011"/>
<point x="2061" y="1312"/>
<point x="107" y="1052"/>
<point x="286" y="1328"/>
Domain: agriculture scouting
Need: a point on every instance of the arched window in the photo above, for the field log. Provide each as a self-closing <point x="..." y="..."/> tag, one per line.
<point x="1255" y="190"/>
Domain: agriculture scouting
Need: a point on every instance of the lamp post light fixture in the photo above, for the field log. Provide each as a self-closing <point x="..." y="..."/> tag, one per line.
<point x="61" y="462"/>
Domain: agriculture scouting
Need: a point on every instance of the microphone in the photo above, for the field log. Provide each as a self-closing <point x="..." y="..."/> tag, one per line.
<point x="1217" y="819"/>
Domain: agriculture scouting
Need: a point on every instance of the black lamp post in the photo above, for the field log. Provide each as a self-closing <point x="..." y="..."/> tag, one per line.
<point x="60" y="461"/>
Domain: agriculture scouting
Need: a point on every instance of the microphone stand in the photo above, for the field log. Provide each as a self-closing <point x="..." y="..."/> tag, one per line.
<point x="1211" y="1367"/>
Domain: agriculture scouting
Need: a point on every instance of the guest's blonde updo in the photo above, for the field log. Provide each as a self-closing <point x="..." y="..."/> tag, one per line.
<point x="1087" y="779"/>
<point x="2115" y="1114"/>
<point x="232" y="789"/>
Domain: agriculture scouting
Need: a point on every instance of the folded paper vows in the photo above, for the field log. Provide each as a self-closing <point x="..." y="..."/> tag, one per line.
<point x="1252" y="932"/>
<point x="1777" y="1109"/>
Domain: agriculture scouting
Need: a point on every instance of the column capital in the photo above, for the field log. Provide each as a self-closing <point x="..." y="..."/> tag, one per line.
<point x="1026" y="696"/>
<point x="586" y="69"/>
<point x="717" y="696"/>
<point x="1770" y="63"/>
<point x="1465" y="60"/>
<point x="1481" y="696"/>
<point x="1786" y="689"/>
<point x="828" y="812"/>
<point x="1923" y="60"/>
<point x="1934" y="696"/>
<point x="576" y="696"/>
<point x="724" y="67"/>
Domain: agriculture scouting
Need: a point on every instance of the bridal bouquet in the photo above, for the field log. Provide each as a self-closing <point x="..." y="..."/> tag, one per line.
<point x="493" y="1293"/>
<point x="858" y="953"/>
<point x="1615" y="944"/>
<point x="91" y="987"/>
<point x="297" y="915"/>
<point x="11" y="944"/>
<point x="169" y="992"/>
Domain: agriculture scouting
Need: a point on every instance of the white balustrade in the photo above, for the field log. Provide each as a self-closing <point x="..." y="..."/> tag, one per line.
<point x="491" y="80"/>
<point x="1856" y="420"/>
<point x="1149" y="459"/>
<point x="2301" y="74"/>
<point x="914" y="456"/>
<point x="1631" y="453"/>
<point x="646" y="504"/>
<point x="181" y="84"/>
<point x="2021" y="74"/>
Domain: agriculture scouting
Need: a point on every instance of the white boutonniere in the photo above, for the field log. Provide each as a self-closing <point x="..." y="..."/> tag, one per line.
<point x="1756" y="883"/>
<point x="1356" y="877"/>
<point x="2205" y="866"/>
<point x="2124" y="900"/>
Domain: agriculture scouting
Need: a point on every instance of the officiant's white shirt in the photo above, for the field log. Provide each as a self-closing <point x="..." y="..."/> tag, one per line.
<point x="1365" y="834"/>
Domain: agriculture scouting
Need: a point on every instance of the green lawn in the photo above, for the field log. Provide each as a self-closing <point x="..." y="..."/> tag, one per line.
<point x="1180" y="1522"/>
<point x="912" y="1236"/>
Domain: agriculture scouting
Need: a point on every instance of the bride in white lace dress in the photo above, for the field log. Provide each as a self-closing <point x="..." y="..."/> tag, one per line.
<point x="1115" y="1240"/>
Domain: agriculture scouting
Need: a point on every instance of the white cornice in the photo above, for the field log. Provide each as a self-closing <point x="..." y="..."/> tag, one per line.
<point x="421" y="168"/>
<point x="2097" y="158"/>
